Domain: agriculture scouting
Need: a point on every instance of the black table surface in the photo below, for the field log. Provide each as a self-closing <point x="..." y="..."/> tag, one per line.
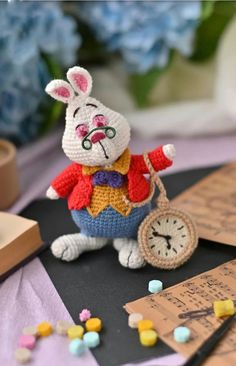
<point x="97" y="281"/>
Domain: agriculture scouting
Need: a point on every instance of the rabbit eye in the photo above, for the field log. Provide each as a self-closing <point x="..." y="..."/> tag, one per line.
<point x="81" y="130"/>
<point x="99" y="120"/>
<point x="77" y="109"/>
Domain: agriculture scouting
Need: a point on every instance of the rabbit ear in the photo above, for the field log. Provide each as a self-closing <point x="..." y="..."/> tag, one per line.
<point x="80" y="79"/>
<point x="60" y="90"/>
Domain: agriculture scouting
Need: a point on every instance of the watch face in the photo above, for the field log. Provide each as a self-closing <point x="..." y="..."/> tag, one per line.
<point x="168" y="236"/>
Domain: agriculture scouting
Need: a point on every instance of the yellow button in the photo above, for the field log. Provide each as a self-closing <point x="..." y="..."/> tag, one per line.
<point x="44" y="329"/>
<point x="145" y="325"/>
<point x="93" y="325"/>
<point x="223" y="308"/>
<point x="76" y="331"/>
<point x="148" y="338"/>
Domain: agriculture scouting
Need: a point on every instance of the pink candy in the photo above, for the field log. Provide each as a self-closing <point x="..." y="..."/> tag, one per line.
<point x="84" y="315"/>
<point x="27" y="341"/>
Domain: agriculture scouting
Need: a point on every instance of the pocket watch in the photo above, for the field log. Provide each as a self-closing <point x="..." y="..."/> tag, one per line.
<point x="167" y="237"/>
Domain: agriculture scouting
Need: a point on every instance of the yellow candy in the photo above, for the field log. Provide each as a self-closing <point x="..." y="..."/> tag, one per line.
<point x="44" y="329"/>
<point x="76" y="331"/>
<point x="223" y="308"/>
<point x="145" y="325"/>
<point x="148" y="338"/>
<point x="93" y="325"/>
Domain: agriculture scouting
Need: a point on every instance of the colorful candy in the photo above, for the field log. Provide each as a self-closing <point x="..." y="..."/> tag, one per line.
<point x="44" y="329"/>
<point x="145" y="325"/>
<point x="27" y="341"/>
<point x="182" y="334"/>
<point x="148" y="338"/>
<point x="91" y="339"/>
<point x="79" y="341"/>
<point x="75" y="331"/>
<point x="84" y="315"/>
<point x="23" y="355"/>
<point x="31" y="330"/>
<point x="62" y="327"/>
<point x="155" y="286"/>
<point x="77" y="347"/>
<point x="134" y="319"/>
<point x="223" y="308"/>
<point x="93" y="325"/>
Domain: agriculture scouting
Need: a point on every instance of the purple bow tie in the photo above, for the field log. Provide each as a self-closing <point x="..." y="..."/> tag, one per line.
<point x="111" y="178"/>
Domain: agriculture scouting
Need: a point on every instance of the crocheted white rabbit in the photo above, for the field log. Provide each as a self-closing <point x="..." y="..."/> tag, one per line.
<point x="104" y="179"/>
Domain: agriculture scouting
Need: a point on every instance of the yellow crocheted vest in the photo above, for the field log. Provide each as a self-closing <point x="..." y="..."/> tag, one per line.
<point x="105" y="196"/>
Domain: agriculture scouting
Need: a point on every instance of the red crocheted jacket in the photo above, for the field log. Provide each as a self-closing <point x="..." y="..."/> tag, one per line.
<point x="72" y="183"/>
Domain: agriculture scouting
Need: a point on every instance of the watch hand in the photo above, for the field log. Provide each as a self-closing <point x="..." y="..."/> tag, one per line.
<point x="168" y="242"/>
<point x="166" y="237"/>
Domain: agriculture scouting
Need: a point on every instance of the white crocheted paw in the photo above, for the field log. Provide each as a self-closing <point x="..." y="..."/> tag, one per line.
<point x="169" y="151"/>
<point x="52" y="194"/>
<point x="69" y="247"/>
<point x="129" y="254"/>
<point x="119" y="243"/>
<point x="65" y="249"/>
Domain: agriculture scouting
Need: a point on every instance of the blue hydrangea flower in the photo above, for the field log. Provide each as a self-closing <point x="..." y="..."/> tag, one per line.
<point x="143" y="31"/>
<point x="29" y="30"/>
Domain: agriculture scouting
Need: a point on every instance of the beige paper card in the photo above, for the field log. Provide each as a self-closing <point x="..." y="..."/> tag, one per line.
<point x="190" y="304"/>
<point x="212" y="203"/>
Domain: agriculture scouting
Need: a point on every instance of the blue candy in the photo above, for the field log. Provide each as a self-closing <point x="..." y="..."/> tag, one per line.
<point x="155" y="286"/>
<point x="77" y="347"/>
<point x="91" y="339"/>
<point x="182" y="334"/>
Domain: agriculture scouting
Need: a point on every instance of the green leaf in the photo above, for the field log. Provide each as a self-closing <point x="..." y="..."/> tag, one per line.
<point x="207" y="9"/>
<point x="51" y="110"/>
<point x="142" y="84"/>
<point x="209" y="31"/>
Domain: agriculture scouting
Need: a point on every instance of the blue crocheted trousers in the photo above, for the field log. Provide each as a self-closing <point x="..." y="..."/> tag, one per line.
<point x="110" y="223"/>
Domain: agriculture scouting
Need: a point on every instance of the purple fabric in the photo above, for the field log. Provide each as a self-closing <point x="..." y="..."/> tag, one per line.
<point x="28" y="297"/>
<point x="112" y="179"/>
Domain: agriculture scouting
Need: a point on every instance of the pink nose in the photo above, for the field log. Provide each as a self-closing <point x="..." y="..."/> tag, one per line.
<point x="97" y="137"/>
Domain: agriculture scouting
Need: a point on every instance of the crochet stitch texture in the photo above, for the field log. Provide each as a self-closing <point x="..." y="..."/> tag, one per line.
<point x="76" y="180"/>
<point x="104" y="182"/>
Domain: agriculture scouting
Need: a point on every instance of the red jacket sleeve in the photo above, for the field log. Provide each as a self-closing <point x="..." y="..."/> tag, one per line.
<point x="66" y="180"/>
<point x="157" y="157"/>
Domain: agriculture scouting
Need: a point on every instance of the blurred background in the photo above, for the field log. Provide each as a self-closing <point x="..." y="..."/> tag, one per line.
<point x="174" y="61"/>
<point x="169" y="66"/>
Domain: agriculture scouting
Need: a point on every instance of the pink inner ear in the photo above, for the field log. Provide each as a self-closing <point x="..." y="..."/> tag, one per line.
<point x="62" y="91"/>
<point x="81" y="82"/>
